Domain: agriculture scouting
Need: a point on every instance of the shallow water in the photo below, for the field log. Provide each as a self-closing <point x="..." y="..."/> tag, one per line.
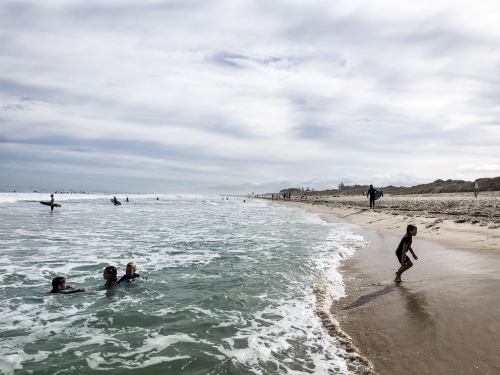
<point x="229" y="286"/>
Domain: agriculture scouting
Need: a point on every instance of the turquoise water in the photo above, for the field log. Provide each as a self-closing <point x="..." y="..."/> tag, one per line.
<point x="229" y="286"/>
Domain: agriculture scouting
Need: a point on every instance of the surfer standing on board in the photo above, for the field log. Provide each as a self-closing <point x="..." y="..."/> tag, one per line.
<point x="371" y="194"/>
<point x="404" y="246"/>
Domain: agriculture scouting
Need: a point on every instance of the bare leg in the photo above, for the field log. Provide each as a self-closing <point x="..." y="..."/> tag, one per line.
<point x="404" y="266"/>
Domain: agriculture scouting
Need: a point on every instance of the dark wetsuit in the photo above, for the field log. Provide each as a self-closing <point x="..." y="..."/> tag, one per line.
<point x="372" y="191"/>
<point x="67" y="291"/>
<point x="407" y="239"/>
<point x="129" y="279"/>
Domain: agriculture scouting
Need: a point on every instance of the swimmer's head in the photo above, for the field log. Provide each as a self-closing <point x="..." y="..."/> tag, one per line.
<point x="411" y="229"/>
<point x="51" y="195"/>
<point x="109" y="274"/>
<point x="130" y="269"/>
<point x="59" y="283"/>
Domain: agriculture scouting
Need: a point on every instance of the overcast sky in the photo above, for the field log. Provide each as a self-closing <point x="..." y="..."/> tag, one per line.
<point x="240" y="96"/>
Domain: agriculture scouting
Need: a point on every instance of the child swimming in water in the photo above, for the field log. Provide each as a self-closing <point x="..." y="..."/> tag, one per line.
<point x="130" y="274"/>
<point x="109" y="274"/>
<point x="59" y="286"/>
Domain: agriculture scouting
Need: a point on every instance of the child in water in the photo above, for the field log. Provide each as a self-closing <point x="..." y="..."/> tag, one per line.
<point x="404" y="246"/>
<point x="59" y="286"/>
<point x="109" y="274"/>
<point x="130" y="274"/>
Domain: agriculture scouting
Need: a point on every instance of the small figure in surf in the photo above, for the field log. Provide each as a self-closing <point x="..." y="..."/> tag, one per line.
<point x="130" y="274"/>
<point x="371" y="194"/>
<point x="115" y="201"/>
<point x="110" y="275"/>
<point x="51" y="202"/>
<point x="476" y="188"/>
<point x="404" y="246"/>
<point x="157" y="198"/>
<point x="59" y="286"/>
<point x="126" y="200"/>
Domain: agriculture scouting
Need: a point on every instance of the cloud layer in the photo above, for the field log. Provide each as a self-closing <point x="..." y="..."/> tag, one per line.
<point x="188" y="95"/>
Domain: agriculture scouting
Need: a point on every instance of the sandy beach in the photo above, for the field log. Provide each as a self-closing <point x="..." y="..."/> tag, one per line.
<point x="443" y="318"/>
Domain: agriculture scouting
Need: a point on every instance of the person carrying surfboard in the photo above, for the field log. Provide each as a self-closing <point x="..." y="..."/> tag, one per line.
<point x="51" y="202"/>
<point x="371" y="194"/>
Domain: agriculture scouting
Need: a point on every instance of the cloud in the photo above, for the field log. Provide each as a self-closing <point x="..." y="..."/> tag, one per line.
<point x="467" y="167"/>
<point x="487" y="167"/>
<point x="458" y="176"/>
<point x="183" y="94"/>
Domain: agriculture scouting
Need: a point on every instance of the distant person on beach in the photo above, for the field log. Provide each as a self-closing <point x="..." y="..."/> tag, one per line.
<point x="371" y="194"/>
<point x="476" y="188"/>
<point x="130" y="274"/>
<point x="59" y="286"/>
<point x="404" y="246"/>
<point x="115" y="201"/>
<point x="109" y="274"/>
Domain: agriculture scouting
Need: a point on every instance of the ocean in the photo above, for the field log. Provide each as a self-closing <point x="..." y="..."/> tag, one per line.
<point x="227" y="287"/>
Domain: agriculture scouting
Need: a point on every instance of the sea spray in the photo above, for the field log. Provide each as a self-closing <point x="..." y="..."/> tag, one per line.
<point x="230" y="288"/>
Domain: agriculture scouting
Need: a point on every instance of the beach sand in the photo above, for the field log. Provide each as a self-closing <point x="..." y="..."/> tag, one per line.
<point x="443" y="318"/>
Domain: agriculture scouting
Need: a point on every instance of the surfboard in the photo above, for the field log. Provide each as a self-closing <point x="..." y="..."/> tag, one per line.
<point x="118" y="203"/>
<point x="378" y="194"/>
<point x="48" y="204"/>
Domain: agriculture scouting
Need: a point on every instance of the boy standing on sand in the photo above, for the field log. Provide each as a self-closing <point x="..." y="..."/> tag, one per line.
<point x="404" y="246"/>
<point x="476" y="188"/>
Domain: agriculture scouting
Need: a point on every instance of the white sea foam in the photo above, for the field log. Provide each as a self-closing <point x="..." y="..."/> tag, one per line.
<point x="230" y="281"/>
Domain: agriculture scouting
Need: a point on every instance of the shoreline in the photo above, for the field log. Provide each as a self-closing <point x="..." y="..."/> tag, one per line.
<point x="442" y="318"/>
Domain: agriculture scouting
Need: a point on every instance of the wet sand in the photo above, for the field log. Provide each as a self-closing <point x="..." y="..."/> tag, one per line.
<point x="443" y="318"/>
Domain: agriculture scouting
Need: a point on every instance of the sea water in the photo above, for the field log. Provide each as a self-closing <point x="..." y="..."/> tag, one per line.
<point x="227" y="288"/>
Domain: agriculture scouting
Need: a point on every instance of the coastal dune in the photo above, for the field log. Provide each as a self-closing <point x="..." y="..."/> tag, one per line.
<point x="443" y="318"/>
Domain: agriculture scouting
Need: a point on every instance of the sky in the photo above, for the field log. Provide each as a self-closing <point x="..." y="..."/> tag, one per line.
<point x="247" y="96"/>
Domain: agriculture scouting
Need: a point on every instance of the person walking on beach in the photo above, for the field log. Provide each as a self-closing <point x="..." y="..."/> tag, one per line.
<point x="404" y="246"/>
<point x="371" y="194"/>
<point x="476" y="188"/>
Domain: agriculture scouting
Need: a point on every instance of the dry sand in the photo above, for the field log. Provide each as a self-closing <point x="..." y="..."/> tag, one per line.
<point x="443" y="318"/>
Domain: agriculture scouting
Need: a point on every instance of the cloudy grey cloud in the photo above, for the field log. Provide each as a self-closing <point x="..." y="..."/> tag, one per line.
<point x="188" y="94"/>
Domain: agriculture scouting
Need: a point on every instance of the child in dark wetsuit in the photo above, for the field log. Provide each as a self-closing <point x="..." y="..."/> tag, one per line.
<point x="109" y="274"/>
<point x="59" y="286"/>
<point x="403" y="247"/>
<point x="130" y="274"/>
